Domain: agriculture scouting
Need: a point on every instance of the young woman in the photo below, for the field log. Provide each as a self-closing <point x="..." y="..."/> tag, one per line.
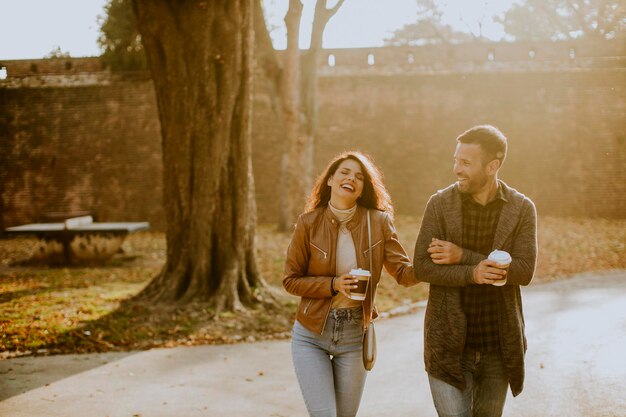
<point x="329" y="240"/>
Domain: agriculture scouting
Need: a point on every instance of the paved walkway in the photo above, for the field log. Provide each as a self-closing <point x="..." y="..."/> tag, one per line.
<point x="576" y="367"/>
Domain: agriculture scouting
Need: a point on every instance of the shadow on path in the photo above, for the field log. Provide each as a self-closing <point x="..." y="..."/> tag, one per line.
<point x="20" y="375"/>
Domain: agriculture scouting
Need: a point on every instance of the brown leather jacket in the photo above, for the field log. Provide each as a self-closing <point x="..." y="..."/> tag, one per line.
<point x="311" y="265"/>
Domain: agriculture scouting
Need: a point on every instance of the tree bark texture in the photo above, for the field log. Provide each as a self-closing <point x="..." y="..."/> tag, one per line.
<point x="311" y="61"/>
<point x="293" y="164"/>
<point x="300" y="109"/>
<point x="200" y="57"/>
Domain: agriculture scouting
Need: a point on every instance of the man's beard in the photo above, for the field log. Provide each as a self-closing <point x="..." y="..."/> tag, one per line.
<point x="471" y="185"/>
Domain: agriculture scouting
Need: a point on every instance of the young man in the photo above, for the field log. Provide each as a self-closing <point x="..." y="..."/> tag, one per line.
<point x="474" y="342"/>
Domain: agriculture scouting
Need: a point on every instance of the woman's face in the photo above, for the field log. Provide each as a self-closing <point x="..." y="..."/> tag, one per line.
<point x="346" y="184"/>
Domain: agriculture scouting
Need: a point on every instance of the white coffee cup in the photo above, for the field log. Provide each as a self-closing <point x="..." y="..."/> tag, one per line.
<point x="363" y="277"/>
<point x="503" y="260"/>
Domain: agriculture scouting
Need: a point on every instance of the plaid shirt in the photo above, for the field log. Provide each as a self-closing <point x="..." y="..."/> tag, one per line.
<point x="479" y="301"/>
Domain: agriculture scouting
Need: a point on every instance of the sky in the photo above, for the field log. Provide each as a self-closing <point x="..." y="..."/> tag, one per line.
<point x="34" y="28"/>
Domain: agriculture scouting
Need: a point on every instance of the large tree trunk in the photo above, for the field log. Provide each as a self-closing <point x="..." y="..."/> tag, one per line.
<point x="200" y="57"/>
<point x="293" y="177"/>
<point x="300" y="108"/>
<point x="265" y="55"/>
<point x="310" y="83"/>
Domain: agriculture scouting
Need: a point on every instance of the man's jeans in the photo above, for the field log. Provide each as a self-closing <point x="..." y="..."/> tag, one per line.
<point x="329" y="367"/>
<point x="485" y="390"/>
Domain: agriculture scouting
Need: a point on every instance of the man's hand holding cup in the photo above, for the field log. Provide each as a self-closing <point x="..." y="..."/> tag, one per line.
<point x="493" y="270"/>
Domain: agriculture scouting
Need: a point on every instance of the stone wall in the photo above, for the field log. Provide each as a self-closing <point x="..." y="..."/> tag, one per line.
<point x="566" y="132"/>
<point x="95" y="145"/>
<point x="484" y="56"/>
<point x="94" y="148"/>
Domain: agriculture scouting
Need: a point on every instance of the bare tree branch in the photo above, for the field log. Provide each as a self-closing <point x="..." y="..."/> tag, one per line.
<point x="334" y="9"/>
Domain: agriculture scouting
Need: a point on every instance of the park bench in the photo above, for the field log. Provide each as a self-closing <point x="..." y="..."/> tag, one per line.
<point x="77" y="239"/>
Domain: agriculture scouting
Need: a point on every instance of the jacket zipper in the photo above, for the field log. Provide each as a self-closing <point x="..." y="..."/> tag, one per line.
<point x="373" y="246"/>
<point x="306" y="309"/>
<point x="326" y="319"/>
<point x="324" y="252"/>
<point x="329" y="304"/>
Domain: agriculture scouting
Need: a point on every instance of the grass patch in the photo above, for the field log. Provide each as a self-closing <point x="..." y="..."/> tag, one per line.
<point x="47" y="310"/>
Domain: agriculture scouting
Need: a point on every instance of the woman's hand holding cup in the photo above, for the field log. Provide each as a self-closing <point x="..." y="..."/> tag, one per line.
<point x="345" y="283"/>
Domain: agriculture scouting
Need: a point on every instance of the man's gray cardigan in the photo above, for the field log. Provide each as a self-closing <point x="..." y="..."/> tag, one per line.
<point x="445" y="323"/>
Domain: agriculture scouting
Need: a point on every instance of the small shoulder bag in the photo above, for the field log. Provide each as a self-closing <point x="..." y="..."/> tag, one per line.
<point x="369" y="333"/>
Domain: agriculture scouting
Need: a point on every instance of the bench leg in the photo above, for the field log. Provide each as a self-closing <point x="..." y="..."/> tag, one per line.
<point x="65" y="239"/>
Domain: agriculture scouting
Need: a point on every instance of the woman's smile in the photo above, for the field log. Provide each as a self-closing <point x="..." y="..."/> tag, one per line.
<point x="346" y="184"/>
<point x="348" y="187"/>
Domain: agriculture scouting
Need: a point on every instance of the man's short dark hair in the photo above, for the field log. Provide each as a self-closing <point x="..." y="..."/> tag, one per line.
<point x="491" y="140"/>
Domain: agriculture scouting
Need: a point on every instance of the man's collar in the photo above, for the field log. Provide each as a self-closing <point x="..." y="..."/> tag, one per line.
<point x="500" y="195"/>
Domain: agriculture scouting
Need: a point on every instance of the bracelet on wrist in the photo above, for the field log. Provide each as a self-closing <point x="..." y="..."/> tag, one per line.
<point x="333" y="291"/>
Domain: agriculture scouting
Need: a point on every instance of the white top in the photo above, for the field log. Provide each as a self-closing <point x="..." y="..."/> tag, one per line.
<point x="346" y="254"/>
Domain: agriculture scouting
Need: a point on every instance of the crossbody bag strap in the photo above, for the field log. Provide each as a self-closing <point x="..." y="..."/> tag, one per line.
<point x="369" y="243"/>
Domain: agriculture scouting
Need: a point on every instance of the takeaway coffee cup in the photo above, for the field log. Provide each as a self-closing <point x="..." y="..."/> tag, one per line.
<point x="363" y="277"/>
<point x="503" y="260"/>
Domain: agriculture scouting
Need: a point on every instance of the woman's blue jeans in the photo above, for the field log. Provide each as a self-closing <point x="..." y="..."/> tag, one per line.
<point x="329" y="366"/>
<point x="485" y="389"/>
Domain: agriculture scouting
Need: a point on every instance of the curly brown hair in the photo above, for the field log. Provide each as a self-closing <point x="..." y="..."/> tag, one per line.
<point x="374" y="193"/>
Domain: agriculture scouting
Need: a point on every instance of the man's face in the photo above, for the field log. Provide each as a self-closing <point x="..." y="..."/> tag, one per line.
<point x="471" y="172"/>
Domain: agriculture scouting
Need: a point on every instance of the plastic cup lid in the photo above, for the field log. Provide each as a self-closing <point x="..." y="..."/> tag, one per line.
<point x="360" y="272"/>
<point x="500" y="256"/>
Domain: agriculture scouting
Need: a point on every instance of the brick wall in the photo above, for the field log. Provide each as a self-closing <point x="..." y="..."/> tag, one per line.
<point x="81" y="148"/>
<point x="96" y="147"/>
<point x="566" y="132"/>
<point x="30" y="67"/>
